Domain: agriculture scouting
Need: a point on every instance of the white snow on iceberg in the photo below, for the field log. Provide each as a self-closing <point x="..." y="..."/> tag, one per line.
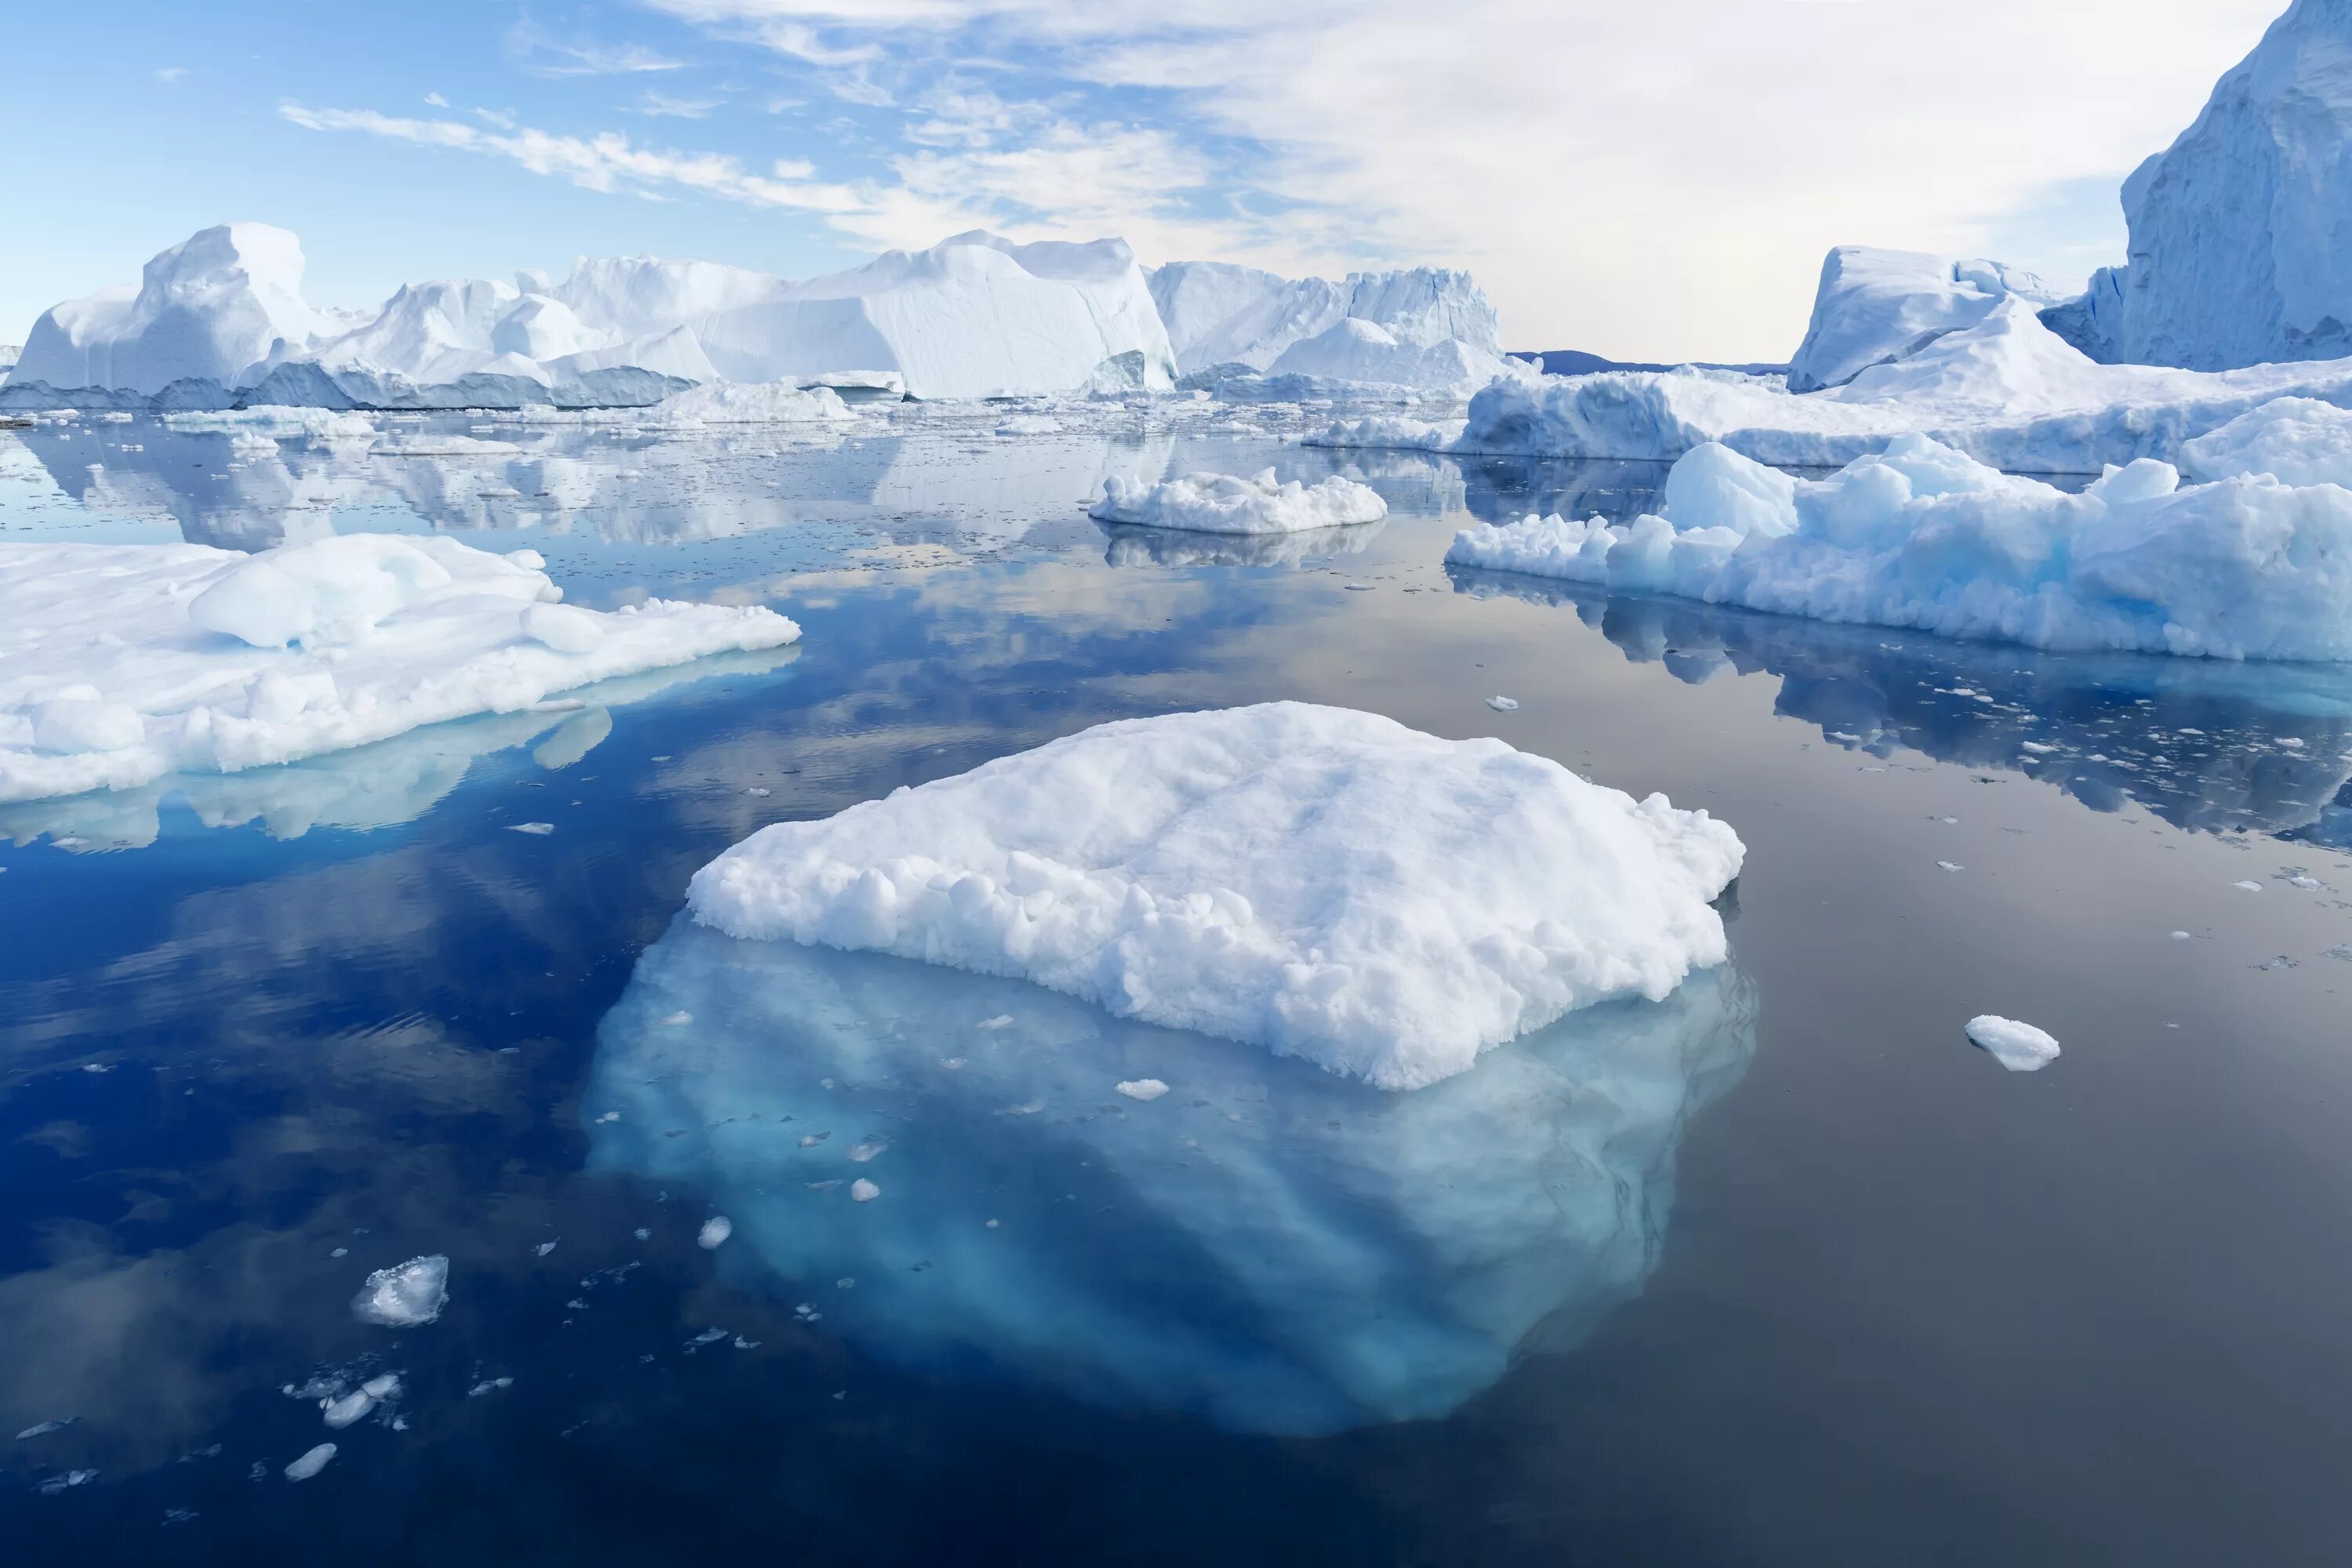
<point x="1267" y="1247"/>
<point x="1323" y="882"/>
<point x="120" y="664"/>
<point x="2298" y="440"/>
<point x="1923" y="536"/>
<point x="1875" y="307"/>
<point x="1224" y="503"/>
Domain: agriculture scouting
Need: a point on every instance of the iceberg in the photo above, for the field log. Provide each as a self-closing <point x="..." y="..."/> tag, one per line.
<point x="1325" y="883"/>
<point x="1876" y="307"/>
<point x="1923" y="536"/>
<point x="1266" y="1246"/>
<point x="2236" y="254"/>
<point x="220" y="321"/>
<point x="1422" y="328"/>
<point x="2297" y="440"/>
<point x="1223" y="503"/>
<point x="120" y="664"/>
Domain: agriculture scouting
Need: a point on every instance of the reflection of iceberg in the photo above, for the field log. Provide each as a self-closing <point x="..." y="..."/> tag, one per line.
<point x="1269" y="1246"/>
<point x="380" y="785"/>
<point x="1132" y="545"/>
<point x="2202" y="744"/>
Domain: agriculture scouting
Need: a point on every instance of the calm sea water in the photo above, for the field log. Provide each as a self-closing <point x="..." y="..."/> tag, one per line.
<point x="1783" y="1271"/>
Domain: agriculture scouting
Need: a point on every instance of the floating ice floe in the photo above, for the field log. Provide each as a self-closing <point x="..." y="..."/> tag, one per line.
<point x="122" y="663"/>
<point x="1323" y="882"/>
<point x="1143" y="1089"/>
<point x="311" y="1463"/>
<point x="2020" y="1047"/>
<point x="1923" y="536"/>
<point x="407" y="1295"/>
<point x="714" y="1232"/>
<point x="1226" y="503"/>
<point x="1271" y="1248"/>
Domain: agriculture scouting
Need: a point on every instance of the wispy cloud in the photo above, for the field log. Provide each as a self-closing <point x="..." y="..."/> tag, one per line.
<point x="170" y="73"/>
<point x="543" y="55"/>
<point x="437" y="101"/>
<point x="662" y="106"/>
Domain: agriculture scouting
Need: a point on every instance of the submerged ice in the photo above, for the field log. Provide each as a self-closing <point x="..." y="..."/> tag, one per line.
<point x="1326" y="883"/>
<point x="1266" y="1244"/>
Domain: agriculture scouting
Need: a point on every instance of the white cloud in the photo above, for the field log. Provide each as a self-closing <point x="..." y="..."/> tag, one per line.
<point x="1652" y="180"/>
<point x="170" y="73"/>
<point x="660" y="105"/>
<point x="542" y="54"/>
<point x="437" y="101"/>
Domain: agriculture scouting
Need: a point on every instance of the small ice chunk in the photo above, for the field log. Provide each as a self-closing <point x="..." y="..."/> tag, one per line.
<point x="2251" y="886"/>
<point x="311" y="1463"/>
<point x="1503" y="704"/>
<point x="546" y="1246"/>
<point x="813" y="1139"/>
<point x="64" y="1480"/>
<point x="2020" y="1047"/>
<point x="2308" y="884"/>
<point x="342" y="1412"/>
<point x="532" y="827"/>
<point x="43" y="1428"/>
<point x="862" y="1191"/>
<point x="2180" y="936"/>
<point x="714" y="1232"/>
<point x="1143" y="1089"/>
<point x="1225" y="503"/>
<point x="488" y="1386"/>
<point x="1001" y="1021"/>
<point x="677" y="1020"/>
<point x="865" y="1150"/>
<point x="405" y="1295"/>
<point x="1950" y="866"/>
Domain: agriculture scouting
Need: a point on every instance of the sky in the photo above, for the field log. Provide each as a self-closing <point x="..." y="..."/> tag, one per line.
<point x="1647" y="179"/>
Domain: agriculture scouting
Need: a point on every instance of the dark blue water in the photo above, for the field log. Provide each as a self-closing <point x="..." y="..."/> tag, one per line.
<point x="1812" y="1280"/>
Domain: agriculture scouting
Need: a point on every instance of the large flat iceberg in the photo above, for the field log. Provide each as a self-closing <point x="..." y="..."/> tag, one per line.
<point x="1923" y="536"/>
<point x="1323" y="882"/>
<point x="1266" y="1246"/>
<point x="120" y="664"/>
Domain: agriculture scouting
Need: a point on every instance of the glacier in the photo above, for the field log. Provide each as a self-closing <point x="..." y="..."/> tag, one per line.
<point x="120" y="664"/>
<point x="1326" y="883"/>
<point x="1266" y="1247"/>
<point x="1923" y="536"/>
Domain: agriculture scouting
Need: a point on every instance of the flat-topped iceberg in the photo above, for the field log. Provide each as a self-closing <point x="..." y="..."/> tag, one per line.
<point x="1923" y="536"/>
<point x="120" y="664"/>
<point x="1326" y="883"/>
<point x="1225" y="503"/>
<point x="1876" y="307"/>
<point x="1266" y="1246"/>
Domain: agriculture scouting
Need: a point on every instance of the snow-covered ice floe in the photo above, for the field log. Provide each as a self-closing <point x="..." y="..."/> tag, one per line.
<point x="1268" y="1246"/>
<point x="1226" y="503"/>
<point x="2020" y="1047"/>
<point x="120" y="664"/>
<point x="407" y="1295"/>
<point x="1923" y="536"/>
<point x="1319" y="881"/>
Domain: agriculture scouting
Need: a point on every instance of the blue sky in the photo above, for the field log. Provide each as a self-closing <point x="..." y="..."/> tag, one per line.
<point x="1653" y="179"/>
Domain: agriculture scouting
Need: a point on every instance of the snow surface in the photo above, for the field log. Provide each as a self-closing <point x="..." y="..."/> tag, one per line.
<point x="1224" y="503"/>
<point x="1874" y="306"/>
<point x="406" y="1296"/>
<point x="1323" y="882"/>
<point x="2298" y="440"/>
<point x="1923" y="536"/>
<point x="2237" y="248"/>
<point x="120" y="664"/>
<point x="2020" y="1047"/>
<point x="1293" y="1252"/>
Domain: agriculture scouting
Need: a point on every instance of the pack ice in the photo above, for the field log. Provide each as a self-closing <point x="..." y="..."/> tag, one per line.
<point x="1923" y="536"/>
<point x="120" y="664"/>
<point x="1323" y="882"/>
<point x="1266" y="1246"/>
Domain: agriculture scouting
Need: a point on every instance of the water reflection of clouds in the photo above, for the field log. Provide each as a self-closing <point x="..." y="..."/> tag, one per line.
<point x="2202" y="744"/>
<point x="1268" y="1246"/>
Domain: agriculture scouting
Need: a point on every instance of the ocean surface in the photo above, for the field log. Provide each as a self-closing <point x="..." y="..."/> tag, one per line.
<point x="1781" y="1272"/>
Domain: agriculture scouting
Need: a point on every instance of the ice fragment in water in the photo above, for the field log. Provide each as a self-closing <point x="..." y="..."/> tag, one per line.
<point x="311" y="1463"/>
<point x="545" y="1247"/>
<point x="1503" y="704"/>
<point x="862" y="1191"/>
<point x="45" y="1427"/>
<point x="714" y="1231"/>
<point x="1144" y="1088"/>
<point x="404" y="1295"/>
<point x="1001" y="1021"/>
<point x="2020" y="1047"/>
<point x="675" y="1019"/>
<point x="861" y="1153"/>
<point x="2250" y="887"/>
<point x="64" y="1481"/>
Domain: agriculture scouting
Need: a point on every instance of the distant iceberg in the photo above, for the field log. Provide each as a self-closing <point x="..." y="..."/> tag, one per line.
<point x="120" y="664"/>
<point x="1923" y="536"/>
<point x="1266" y="1246"/>
<point x="1318" y="881"/>
<point x="1227" y="503"/>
